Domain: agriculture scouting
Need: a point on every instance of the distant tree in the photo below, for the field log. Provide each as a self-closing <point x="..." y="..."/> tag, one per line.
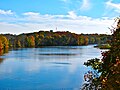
<point x="18" y="44"/>
<point x="81" y="40"/>
<point x="51" y="30"/>
<point x="30" y="41"/>
<point x="1" y="45"/>
<point x="91" y="40"/>
<point x="49" y="38"/>
<point x="4" y="41"/>
<point x="86" y="40"/>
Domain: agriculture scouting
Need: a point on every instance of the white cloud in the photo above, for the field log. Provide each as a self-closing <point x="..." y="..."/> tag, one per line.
<point x="86" y="5"/>
<point x="32" y="22"/>
<point x="18" y="28"/>
<point x="72" y="15"/>
<point x="115" y="6"/>
<point x="31" y="14"/>
<point x="7" y="12"/>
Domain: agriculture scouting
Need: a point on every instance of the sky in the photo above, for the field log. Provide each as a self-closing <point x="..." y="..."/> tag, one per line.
<point x="77" y="16"/>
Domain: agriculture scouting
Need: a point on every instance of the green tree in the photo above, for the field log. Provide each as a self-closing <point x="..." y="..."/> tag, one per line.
<point x="81" y="40"/>
<point x="18" y="43"/>
<point x="92" y="40"/>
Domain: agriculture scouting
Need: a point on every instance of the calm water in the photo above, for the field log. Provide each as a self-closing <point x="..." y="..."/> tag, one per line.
<point x="47" y="68"/>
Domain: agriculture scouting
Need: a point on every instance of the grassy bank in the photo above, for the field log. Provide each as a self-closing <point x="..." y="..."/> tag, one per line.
<point x="103" y="46"/>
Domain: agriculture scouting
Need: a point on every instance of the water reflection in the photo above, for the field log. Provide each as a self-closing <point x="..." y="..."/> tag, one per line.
<point x="1" y="60"/>
<point x="2" y="52"/>
<point x="63" y="54"/>
<point x="45" y="68"/>
<point x="62" y="63"/>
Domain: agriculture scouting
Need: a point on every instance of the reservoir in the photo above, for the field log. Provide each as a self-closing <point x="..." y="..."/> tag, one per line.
<point x="46" y="68"/>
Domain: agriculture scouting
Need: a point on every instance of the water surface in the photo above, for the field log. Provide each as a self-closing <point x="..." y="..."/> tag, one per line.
<point x="46" y="68"/>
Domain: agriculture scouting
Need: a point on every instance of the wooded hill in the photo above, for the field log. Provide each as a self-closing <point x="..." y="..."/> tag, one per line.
<point x="50" y="38"/>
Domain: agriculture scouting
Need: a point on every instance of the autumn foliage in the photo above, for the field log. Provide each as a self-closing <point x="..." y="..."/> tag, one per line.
<point x="109" y="65"/>
<point x="47" y="38"/>
<point x="4" y="43"/>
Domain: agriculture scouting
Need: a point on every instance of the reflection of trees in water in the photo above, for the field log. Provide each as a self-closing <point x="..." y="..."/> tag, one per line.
<point x="1" y="60"/>
<point x="1" y="53"/>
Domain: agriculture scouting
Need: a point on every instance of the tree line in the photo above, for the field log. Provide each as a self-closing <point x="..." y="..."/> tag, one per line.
<point x="50" y="38"/>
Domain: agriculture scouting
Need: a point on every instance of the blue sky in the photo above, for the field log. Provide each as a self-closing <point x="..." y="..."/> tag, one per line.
<point x="79" y="16"/>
